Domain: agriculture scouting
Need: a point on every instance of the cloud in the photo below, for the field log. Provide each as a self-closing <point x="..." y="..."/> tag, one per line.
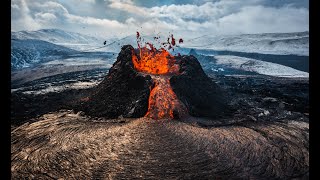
<point x="94" y="21"/>
<point x="129" y="7"/>
<point x="45" y="17"/>
<point x="84" y="1"/>
<point x="255" y="19"/>
<point x="222" y="17"/>
<point x="52" y="14"/>
<point x="50" y="6"/>
<point x="22" y="16"/>
<point x="123" y="17"/>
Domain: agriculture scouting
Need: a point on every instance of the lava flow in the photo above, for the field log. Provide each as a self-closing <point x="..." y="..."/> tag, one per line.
<point x="163" y="102"/>
<point x="160" y="64"/>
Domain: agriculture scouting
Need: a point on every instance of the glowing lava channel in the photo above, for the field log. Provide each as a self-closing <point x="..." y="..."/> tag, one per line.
<point x="163" y="102"/>
<point x="160" y="64"/>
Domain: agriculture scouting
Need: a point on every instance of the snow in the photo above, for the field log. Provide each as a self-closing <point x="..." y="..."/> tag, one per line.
<point x="82" y="47"/>
<point x="56" y="36"/>
<point x="24" y="53"/>
<point x="261" y="67"/>
<point x="67" y="39"/>
<point x="29" y="52"/>
<point x="273" y="43"/>
<point x="116" y="44"/>
<point x="79" y="61"/>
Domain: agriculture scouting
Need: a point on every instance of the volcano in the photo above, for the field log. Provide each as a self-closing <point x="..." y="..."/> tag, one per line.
<point x="147" y="82"/>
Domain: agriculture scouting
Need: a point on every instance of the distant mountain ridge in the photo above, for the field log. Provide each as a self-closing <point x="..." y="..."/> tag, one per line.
<point x="295" y="43"/>
<point x="267" y="43"/>
<point x="27" y="52"/>
<point x="55" y="36"/>
<point x="33" y="47"/>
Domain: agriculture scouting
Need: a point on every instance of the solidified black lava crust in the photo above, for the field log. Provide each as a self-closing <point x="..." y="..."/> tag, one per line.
<point x="123" y="92"/>
<point x="202" y="96"/>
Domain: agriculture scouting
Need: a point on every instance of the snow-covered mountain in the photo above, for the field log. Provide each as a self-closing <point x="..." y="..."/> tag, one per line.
<point x="26" y="52"/>
<point x="271" y="50"/>
<point x="260" y="67"/>
<point x="268" y="43"/>
<point x="115" y="44"/>
<point x="55" y="36"/>
<point x="68" y="39"/>
<point x="34" y="47"/>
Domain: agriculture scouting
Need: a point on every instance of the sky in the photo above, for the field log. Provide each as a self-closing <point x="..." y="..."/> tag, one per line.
<point x="186" y="18"/>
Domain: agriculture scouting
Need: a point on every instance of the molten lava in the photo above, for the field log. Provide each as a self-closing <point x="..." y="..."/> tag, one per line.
<point x="163" y="102"/>
<point x="154" y="61"/>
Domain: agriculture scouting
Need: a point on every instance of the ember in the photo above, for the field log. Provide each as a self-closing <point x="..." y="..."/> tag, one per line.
<point x="173" y="41"/>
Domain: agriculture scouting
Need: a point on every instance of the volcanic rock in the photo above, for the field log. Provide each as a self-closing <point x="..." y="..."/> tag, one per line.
<point x="197" y="91"/>
<point x="124" y="91"/>
<point x="193" y="52"/>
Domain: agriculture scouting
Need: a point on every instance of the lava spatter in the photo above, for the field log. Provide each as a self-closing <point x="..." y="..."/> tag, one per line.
<point x="155" y="62"/>
<point x="160" y="64"/>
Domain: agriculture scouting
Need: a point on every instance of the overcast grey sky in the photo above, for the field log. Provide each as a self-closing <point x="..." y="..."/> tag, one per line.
<point x="116" y="18"/>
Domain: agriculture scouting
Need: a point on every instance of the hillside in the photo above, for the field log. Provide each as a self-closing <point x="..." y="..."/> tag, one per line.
<point x="28" y="52"/>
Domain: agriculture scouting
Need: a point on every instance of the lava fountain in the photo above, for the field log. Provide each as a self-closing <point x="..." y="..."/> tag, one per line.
<point x="160" y="65"/>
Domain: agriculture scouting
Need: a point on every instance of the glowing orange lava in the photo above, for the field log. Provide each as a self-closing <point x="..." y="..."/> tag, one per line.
<point x="163" y="102"/>
<point x="155" y="61"/>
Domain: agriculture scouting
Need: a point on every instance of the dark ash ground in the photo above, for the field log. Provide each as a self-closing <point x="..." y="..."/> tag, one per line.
<point x="267" y="138"/>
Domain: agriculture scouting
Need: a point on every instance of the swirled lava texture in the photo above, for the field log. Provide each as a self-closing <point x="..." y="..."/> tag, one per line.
<point x="160" y="64"/>
<point x="163" y="102"/>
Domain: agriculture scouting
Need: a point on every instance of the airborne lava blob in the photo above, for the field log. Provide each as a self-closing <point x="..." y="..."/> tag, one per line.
<point x="160" y="64"/>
